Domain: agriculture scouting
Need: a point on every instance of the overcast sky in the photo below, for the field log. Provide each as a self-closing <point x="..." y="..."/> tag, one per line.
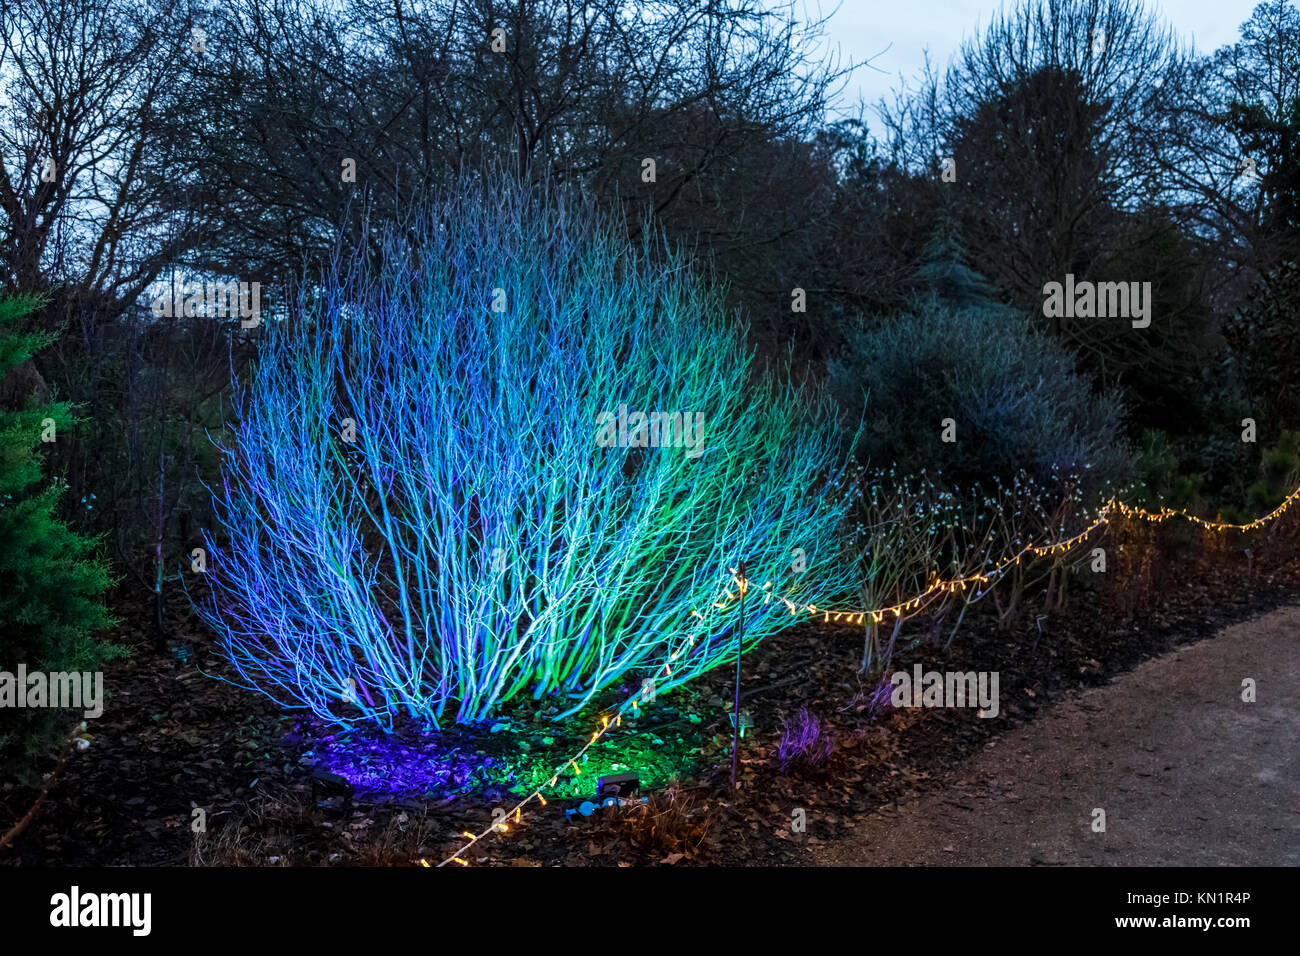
<point x="899" y="31"/>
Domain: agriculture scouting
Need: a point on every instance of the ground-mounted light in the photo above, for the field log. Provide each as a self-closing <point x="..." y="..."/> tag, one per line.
<point x="614" y="790"/>
<point x="330" y="785"/>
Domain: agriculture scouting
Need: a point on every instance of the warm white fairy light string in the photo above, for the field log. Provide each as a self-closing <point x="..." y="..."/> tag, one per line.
<point x="858" y="617"/>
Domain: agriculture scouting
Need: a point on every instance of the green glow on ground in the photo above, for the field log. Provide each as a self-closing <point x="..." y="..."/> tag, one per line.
<point x="655" y="759"/>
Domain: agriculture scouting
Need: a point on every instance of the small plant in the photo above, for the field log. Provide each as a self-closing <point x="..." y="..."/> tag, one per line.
<point x="1162" y="482"/>
<point x="894" y="541"/>
<point x="877" y="702"/>
<point x="805" y="741"/>
<point x="673" y="822"/>
<point x="1278" y="471"/>
<point x="880" y="701"/>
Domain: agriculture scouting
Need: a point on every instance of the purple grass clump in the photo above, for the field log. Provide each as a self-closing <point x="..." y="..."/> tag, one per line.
<point x="880" y="701"/>
<point x="804" y="742"/>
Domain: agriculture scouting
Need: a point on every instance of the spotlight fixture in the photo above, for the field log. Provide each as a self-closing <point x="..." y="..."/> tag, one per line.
<point x="618" y="785"/>
<point x="615" y="790"/>
<point x="330" y="785"/>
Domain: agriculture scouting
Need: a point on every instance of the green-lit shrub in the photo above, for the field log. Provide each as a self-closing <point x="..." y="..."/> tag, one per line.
<point x="428" y="510"/>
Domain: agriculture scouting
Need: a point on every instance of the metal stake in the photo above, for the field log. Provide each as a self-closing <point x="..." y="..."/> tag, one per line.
<point x="735" y="707"/>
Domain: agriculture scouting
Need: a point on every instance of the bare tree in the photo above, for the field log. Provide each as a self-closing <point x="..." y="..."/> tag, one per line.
<point x="90" y="159"/>
<point x="100" y="200"/>
<point x="1056" y="121"/>
<point x="407" y="93"/>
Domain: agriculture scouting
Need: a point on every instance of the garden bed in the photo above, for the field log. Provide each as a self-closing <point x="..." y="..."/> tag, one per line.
<point x="167" y="746"/>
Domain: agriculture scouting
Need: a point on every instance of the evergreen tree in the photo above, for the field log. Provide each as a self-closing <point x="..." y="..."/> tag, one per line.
<point x="51" y="583"/>
<point x="945" y="271"/>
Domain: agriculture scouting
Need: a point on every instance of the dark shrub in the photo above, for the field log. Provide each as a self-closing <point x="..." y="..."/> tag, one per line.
<point x="1016" y="398"/>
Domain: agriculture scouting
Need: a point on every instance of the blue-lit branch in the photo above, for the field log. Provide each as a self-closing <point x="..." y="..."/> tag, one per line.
<point x="476" y="542"/>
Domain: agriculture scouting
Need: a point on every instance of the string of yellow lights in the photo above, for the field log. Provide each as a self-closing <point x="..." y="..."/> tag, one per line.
<point x="517" y="810"/>
<point x="877" y="615"/>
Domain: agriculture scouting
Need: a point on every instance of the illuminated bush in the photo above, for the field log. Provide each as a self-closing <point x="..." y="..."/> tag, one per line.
<point x="475" y="542"/>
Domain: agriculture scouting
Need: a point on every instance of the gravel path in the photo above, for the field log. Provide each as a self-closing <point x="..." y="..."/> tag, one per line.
<point x="1186" y="772"/>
